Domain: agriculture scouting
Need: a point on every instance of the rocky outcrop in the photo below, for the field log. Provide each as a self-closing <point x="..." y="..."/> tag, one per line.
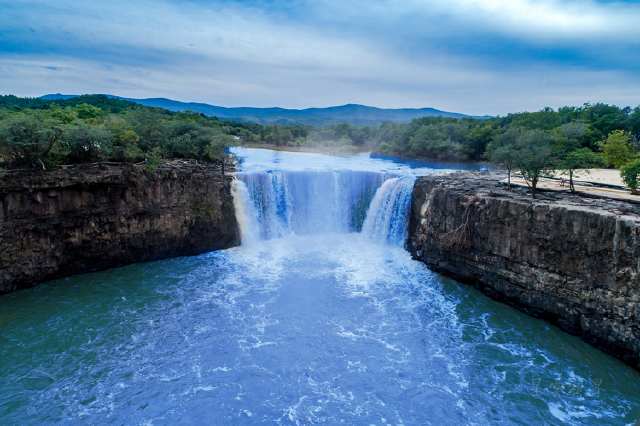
<point x="569" y="259"/>
<point x="92" y="217"/>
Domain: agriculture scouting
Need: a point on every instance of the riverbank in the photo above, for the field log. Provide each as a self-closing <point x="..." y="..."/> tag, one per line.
<point x="569" y="259"/>
<point x="91" y="217"/>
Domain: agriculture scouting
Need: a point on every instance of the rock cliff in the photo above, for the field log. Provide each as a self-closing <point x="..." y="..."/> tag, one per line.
<point x="569" y="259"/>
<point x="92" y="217"/>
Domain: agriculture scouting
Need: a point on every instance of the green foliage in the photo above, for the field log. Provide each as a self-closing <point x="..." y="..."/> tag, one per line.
<point x="580" y="158"/>
<point x="40" y="134"/>
<point x="535" y="156"/>
<point x="83" y="143"/>
<point x="503" y="150"/>
<point x="26" y="140"/>
<point x="153" y="159"/>
<point x="438" y="138"/>
<point x="617" y="149"/>
<point x="631" y="175"/>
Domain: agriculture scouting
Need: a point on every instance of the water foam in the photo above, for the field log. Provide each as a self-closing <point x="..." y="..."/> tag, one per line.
<point x="275" y="204"/>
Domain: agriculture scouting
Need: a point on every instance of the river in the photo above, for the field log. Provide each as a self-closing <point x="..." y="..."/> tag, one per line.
<point x="320" y="317"/>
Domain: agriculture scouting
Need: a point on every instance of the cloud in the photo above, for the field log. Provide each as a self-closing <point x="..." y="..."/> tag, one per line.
<point x="461" y="55"/>
<point x="546" y="20"/>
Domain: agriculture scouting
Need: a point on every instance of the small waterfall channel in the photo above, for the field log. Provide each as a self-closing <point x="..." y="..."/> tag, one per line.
<point x="275" y="204"/>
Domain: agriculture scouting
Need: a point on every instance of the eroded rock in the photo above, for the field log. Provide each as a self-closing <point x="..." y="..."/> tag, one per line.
<point x="91" y="217"/>
<point x="569" y="259"/>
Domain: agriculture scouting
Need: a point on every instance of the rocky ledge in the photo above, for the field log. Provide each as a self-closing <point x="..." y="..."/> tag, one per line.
<point x="91" y="217"/>
<point x="570" y="259"/>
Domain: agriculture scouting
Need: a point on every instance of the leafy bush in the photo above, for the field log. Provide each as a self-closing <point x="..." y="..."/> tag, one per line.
<point x="617" y="149"/>
<point x="153" y="159"/>
<point x="87" y="144"/>
<point x="631" y="175"/>
<point x="503" y="150"/>
<point x="38" y="134"/>
<point x="26" y="140"/>
<point x="535" y="156"/>
<point x="581" y="158"/>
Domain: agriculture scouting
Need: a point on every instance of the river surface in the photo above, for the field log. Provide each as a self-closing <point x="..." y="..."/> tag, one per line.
<point x="320" y="317"/>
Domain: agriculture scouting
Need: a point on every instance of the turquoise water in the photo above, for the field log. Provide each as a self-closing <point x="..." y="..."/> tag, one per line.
<point x="319" y="322"/>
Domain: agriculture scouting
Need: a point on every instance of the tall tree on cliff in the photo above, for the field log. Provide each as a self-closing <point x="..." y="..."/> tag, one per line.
<point x="503" y="150"/>
<point x="581" y="158"/>
<point x="535" y="156"/>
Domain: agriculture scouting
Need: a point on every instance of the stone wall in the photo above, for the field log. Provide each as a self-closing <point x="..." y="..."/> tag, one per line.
<point x="92" y="217"/>
<point x="569" y="259"/>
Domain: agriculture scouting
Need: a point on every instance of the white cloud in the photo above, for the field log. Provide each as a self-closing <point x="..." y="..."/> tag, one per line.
<point x="551" y="19"/>
<point x="534" y="20"/>
<point x="238" y="56"/>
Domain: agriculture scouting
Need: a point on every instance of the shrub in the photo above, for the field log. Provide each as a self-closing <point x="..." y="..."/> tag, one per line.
<point x="631" y="175"/>
<point x="87" y="144"/>
<point x="503" y="150"/>
<point x="153" y="159"/>
<point x="617" y="149"/>
<point x="581" y="158"/>
<point x="27" y="140"/>
<point x="535" y="156"/>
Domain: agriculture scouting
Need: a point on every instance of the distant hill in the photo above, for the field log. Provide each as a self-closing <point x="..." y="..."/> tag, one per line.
<point x="350" y="113"/>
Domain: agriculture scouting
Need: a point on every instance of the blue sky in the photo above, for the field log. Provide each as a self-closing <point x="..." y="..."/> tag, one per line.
<point x="472" y="56"/>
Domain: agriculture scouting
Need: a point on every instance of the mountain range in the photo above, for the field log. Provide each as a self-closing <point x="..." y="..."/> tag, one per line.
<point x="350" y="113"/>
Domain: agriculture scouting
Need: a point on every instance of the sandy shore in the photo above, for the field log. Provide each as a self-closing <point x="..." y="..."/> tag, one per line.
<point x="605" y="176"/>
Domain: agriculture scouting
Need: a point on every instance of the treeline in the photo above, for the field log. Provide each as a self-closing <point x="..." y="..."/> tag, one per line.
<point x="36" y="133"/>
<point x="39" y="133"/>
<point x="533" y="143"/>
<point x="462" y="139"/>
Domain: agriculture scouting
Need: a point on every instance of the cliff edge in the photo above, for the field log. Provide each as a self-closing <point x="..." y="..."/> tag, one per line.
<point x="92" y="217"/>
<point x="570" y="259"/>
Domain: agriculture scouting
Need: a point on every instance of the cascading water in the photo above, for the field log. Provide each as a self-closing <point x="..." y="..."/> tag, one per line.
<point x="244" y="214"/>
<point x="323" y="326"/>
<point x="274" y="204"/>
<point x="389" y="211"/>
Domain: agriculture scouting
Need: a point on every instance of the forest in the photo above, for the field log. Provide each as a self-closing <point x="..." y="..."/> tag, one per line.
<point x="40" y="134"/>
<point x="37" y="133"/>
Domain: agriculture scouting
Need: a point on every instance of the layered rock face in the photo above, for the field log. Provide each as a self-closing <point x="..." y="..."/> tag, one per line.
<point x="92" y="217"/>
<point x="572" y="260"/>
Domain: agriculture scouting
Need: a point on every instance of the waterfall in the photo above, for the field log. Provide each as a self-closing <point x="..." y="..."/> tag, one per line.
<point x="244" y="216"/>
<point x="389" y="211"/>
<point x="274" y="204"/>
<point x="280" y="203"/>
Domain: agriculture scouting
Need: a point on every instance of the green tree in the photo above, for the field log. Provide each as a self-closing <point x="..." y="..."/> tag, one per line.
<point x="153" y="159"/>
<point x="631" y="175"/>
<point x="535" y="156"/>
<point x="86" y="111"/>
<point x="27" y="140"/>
<point x="581" y="158"/>
<point x="87" y="144"/>
<point x="617" y="149"/>
<point x="634" y="123"/>
<point x="125" y="146"/>
<point x="503" y="150"/>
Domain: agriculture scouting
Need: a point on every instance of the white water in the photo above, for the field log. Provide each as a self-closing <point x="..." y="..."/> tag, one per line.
<point x="244" y="214"/>
<point x="386" y="219"/>
<point x="275" y="204"/>
<point x="326" y="325"/>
